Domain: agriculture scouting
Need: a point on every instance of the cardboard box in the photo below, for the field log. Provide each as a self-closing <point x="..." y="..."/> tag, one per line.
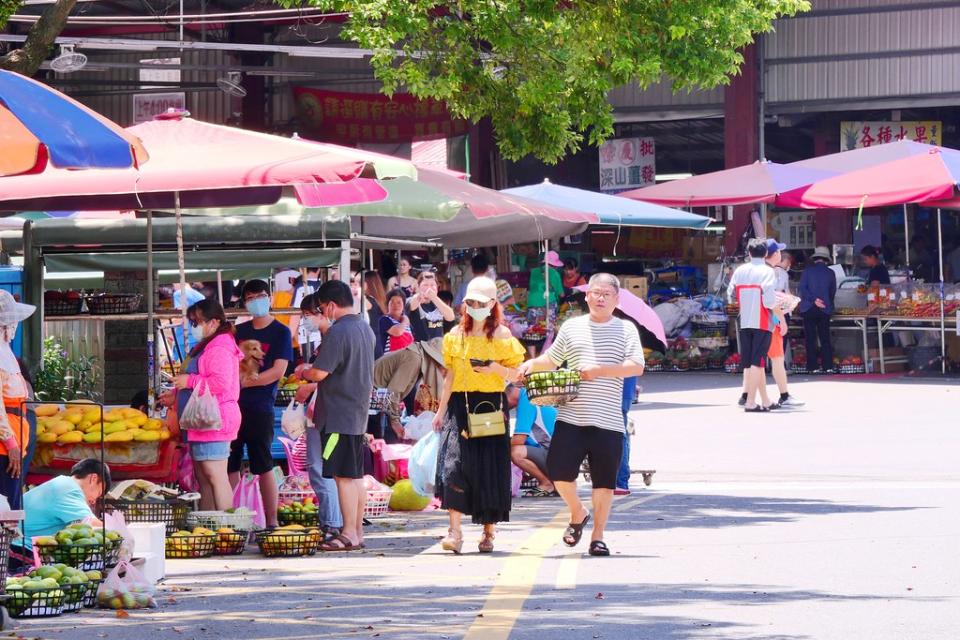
<point x="637" y="285"/>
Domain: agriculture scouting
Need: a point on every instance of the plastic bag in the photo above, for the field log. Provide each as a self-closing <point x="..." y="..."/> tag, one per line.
<point x="125" y="588"/>
<point x="422" y="466"/>
<point x="419" y="426"/>
<point x="516" y="479"/>
<point x="293" y="420"/>
<point x="202" y="412"/>
<point x="185" y="473"/>
<point x="116" y="522"/>
<point x="247" y="495"/>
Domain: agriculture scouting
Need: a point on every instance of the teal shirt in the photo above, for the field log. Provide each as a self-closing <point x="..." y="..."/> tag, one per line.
<point x="537" y="286"/>
<point x="52" y="506"/>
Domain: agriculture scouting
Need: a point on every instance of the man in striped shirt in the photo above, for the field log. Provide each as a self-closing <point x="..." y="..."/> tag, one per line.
<point x="605" y="350"/>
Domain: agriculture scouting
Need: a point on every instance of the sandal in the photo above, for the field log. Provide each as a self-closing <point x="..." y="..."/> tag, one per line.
<point x="757" y="409"/>
<point x="339" y="543"/>
<point x="573" y="533"/>
<point x="329" y="534"/>
<point x="540" y="492"/>
<point x="599" y="548"/>
<point x="453" y="542"/>
<point x="486" y="543"/>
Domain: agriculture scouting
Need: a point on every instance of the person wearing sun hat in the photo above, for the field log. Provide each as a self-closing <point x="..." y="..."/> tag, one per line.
<point x="14" y="430"/>
<point x="540" y="302"/>
<point x="818" y="287"/>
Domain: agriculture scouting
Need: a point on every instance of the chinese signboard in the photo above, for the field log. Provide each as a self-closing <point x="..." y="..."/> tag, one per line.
<point x="362" y="117"/>
<point x="148" y="105"/>
<point x="167" y="70"/>
<point x="854" y="135"/>
<point x="627" y="163"/>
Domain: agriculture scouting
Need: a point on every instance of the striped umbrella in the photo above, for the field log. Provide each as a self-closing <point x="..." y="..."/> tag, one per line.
<point x="40" y="126"/>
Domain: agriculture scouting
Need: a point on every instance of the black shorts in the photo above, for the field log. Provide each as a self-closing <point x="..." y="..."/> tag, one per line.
<point x="571" y="444"/>
<point x="256" y="433"/>
<point x="342" y="458"/>
<point x="754" y="345"/>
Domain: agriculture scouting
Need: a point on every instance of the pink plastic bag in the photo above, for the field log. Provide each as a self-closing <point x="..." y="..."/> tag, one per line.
<point x="247" y="495"/>
<point x="516" y="479"/>
<point x="185" y="475"/>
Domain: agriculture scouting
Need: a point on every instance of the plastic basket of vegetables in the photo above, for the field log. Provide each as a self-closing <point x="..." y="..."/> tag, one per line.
<point x="552" y="388"/>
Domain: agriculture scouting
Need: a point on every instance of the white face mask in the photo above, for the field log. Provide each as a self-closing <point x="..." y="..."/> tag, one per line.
<point x="8" y="332"/>
<point x="480" y="314"/>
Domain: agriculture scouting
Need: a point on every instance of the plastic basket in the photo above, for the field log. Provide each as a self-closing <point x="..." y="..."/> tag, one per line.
<point x="853" y="368"/>
<point x="231" y="544"/>
<point x="279" y="543"/>
<point x="62" y="307"/>
<point x="73" y="595"/>
<point x="552" y="388"/>
<point x="5" y="537"/>
<point x="96" y="557"/>
<point x="307" y="519"/>
<point x="184" y="547"/>
<point x="172" y="513"/>
<point x="378" y="503"/>
<point x="284" y="397"/>
<point x="90" y="597"/>
<point x="295" y="495"/>
<point x="114" y="303"/>
<point x="221" y="519"/>
<point x="38" y="603"/>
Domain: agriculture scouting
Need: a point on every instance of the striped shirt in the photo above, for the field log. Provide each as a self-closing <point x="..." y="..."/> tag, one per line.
<point x="583" y="343"/>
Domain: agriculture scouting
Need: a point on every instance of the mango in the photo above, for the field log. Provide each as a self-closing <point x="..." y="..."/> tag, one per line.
<point x="130" y="413"/>
<point x="82" y="401"/>
<point x="114" y="427"/>
<point x="71" y="437"/>
<point x="152" y="424"/>
<point x="138" y="420"/>
<point x="46" y="541"/>
<point x="146" y="436"/>
<point x="47" y="410"/>
<point x="92" y="415"/>
<point x="118" y="436"/>
<point x="91" y="438"/>
<point x="47" y="437"/>
<point x="95" y="427"/>
<point x="164" y="434"/>
<point x="60" y="427"/>
<point x="73" y="417"/>
<point x="113" y="415"/>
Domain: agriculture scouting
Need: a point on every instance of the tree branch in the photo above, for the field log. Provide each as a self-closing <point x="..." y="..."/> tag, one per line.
<point x="40" y="40"/>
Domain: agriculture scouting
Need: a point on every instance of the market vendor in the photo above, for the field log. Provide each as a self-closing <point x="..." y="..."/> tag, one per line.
<point x="65" y="499"/>
<point x="878" y="273"/>
<point x="535" y="299"/>
<point x="14" y="430"/>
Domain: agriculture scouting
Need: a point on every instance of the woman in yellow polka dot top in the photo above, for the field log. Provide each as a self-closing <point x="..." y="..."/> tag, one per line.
<point x="473" y="474"/>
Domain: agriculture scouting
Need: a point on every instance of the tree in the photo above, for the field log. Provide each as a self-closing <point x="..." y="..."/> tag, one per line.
<point x="542" y="69"/>
<point x="40" y="39"/>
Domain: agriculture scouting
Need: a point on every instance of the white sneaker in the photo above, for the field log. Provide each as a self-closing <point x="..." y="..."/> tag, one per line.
<point x="791" y="401"/>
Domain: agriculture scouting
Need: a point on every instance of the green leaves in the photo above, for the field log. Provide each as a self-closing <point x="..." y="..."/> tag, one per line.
<point x="542" y="69"/>
<point x="63" y="379"/>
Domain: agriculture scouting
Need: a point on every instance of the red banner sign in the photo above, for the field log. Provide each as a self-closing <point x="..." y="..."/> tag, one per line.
<point x="369" y="117"/>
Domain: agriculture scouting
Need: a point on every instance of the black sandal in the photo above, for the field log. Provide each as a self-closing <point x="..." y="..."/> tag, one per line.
<point x="599" y="548"/>
<point x="540" y="492"/>
<point x="757" y="409"/>
<point x="575" y="532"/>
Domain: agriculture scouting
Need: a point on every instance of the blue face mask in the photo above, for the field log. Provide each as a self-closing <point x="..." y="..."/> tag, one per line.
<point x="196" y="332"/>
<point x="259" y="307"/>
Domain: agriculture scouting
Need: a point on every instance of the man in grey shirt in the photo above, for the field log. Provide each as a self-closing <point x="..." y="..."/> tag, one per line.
<point x="344" y="371"/>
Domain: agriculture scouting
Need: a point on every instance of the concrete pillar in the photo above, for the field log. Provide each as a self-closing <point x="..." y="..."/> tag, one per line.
<point x="741" y="138"/>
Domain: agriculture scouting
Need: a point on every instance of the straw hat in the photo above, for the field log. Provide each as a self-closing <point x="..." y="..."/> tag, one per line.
<point x="11" y="311"/>
<point x="481" y="289"/>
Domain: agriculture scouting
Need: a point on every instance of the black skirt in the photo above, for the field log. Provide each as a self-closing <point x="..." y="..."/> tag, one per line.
<point x="473" y="475"/>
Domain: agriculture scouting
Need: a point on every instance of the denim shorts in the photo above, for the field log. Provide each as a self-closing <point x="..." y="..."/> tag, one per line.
<point x="206" y="451"/>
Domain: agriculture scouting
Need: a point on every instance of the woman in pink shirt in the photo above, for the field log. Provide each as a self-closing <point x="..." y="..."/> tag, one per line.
<point x="214" y="363"/>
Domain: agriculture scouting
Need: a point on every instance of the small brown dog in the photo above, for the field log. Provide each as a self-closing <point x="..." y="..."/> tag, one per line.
<point x="253" y="356"/>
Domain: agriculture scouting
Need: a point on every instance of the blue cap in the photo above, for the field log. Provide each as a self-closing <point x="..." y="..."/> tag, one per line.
<point x="773" y="246"/>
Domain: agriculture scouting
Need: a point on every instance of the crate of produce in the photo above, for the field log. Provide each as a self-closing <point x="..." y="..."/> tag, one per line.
<point x="31" y="598"/>
<point x="80" y="546"/>
<point x="103" y="304"/>
<point x="230" y="543"/>
<point x="552" y="388"/>
<point x="199" y="543"/>
<point x="710" y="343"/>
<point x="240" y="519"/>
<point x="62" y="303"/>
<point x="378" y="502"/>
<point x="303" y="512"/>
<point x="90" y="597"/>
<point x="172" y="513"/>
<point x="73" y="582"/>
<point x="292" y="541"/>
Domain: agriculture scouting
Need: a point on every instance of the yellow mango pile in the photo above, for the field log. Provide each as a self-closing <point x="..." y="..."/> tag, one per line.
<point x="74" y="423"/>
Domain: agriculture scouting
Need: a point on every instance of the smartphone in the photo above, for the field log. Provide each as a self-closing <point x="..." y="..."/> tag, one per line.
<point x="476" y="364"/>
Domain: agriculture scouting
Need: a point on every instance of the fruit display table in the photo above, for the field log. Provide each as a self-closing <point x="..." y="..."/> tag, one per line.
<point x="911" y="323"/>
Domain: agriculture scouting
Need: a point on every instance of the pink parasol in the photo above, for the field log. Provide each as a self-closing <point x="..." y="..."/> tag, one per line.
<point x="640" y="311"/>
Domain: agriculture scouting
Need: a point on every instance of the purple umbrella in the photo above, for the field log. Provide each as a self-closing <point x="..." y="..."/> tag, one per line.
<point x="640" y="311"/>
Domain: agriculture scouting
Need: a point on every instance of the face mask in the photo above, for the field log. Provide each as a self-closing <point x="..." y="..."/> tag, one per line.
<point x="8" y="332"/>
<point x="480" y="314"/>
<point x="259" y="308"/>
<point x="308" y="325"/>
<point x="196" y="332"/>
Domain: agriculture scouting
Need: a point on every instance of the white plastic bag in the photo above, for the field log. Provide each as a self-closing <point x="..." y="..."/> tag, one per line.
<point x="202" y="412"/>
<point x="293" y="420"/>
<point x="422" y="465"/>
<point x="419" y="426"/>
<point x="125" y="588"/>
<point x="116" y="522"/>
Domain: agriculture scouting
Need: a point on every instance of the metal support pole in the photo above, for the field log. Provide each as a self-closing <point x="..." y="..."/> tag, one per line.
<point x="546" y="288"/>
<point x="32" y="294"/>
<point x="943" y="318"/>
<point x="183" y="274"/>
<point x="220" y="286"/>
<point x="151" y="324"/>
<point x="906" y="235"/>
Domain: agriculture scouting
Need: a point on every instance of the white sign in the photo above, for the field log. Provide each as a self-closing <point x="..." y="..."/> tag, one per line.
<point x="627" y="163"/>
<point x="148" y="105"/>
<point x="856" y="134"/>
<point x="166" y="71"/>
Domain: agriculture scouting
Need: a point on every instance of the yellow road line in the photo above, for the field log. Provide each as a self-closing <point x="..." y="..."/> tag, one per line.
<point x="636" y="502"/>
<point x="514" y="584"/>
<point x="567" y="571"/>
